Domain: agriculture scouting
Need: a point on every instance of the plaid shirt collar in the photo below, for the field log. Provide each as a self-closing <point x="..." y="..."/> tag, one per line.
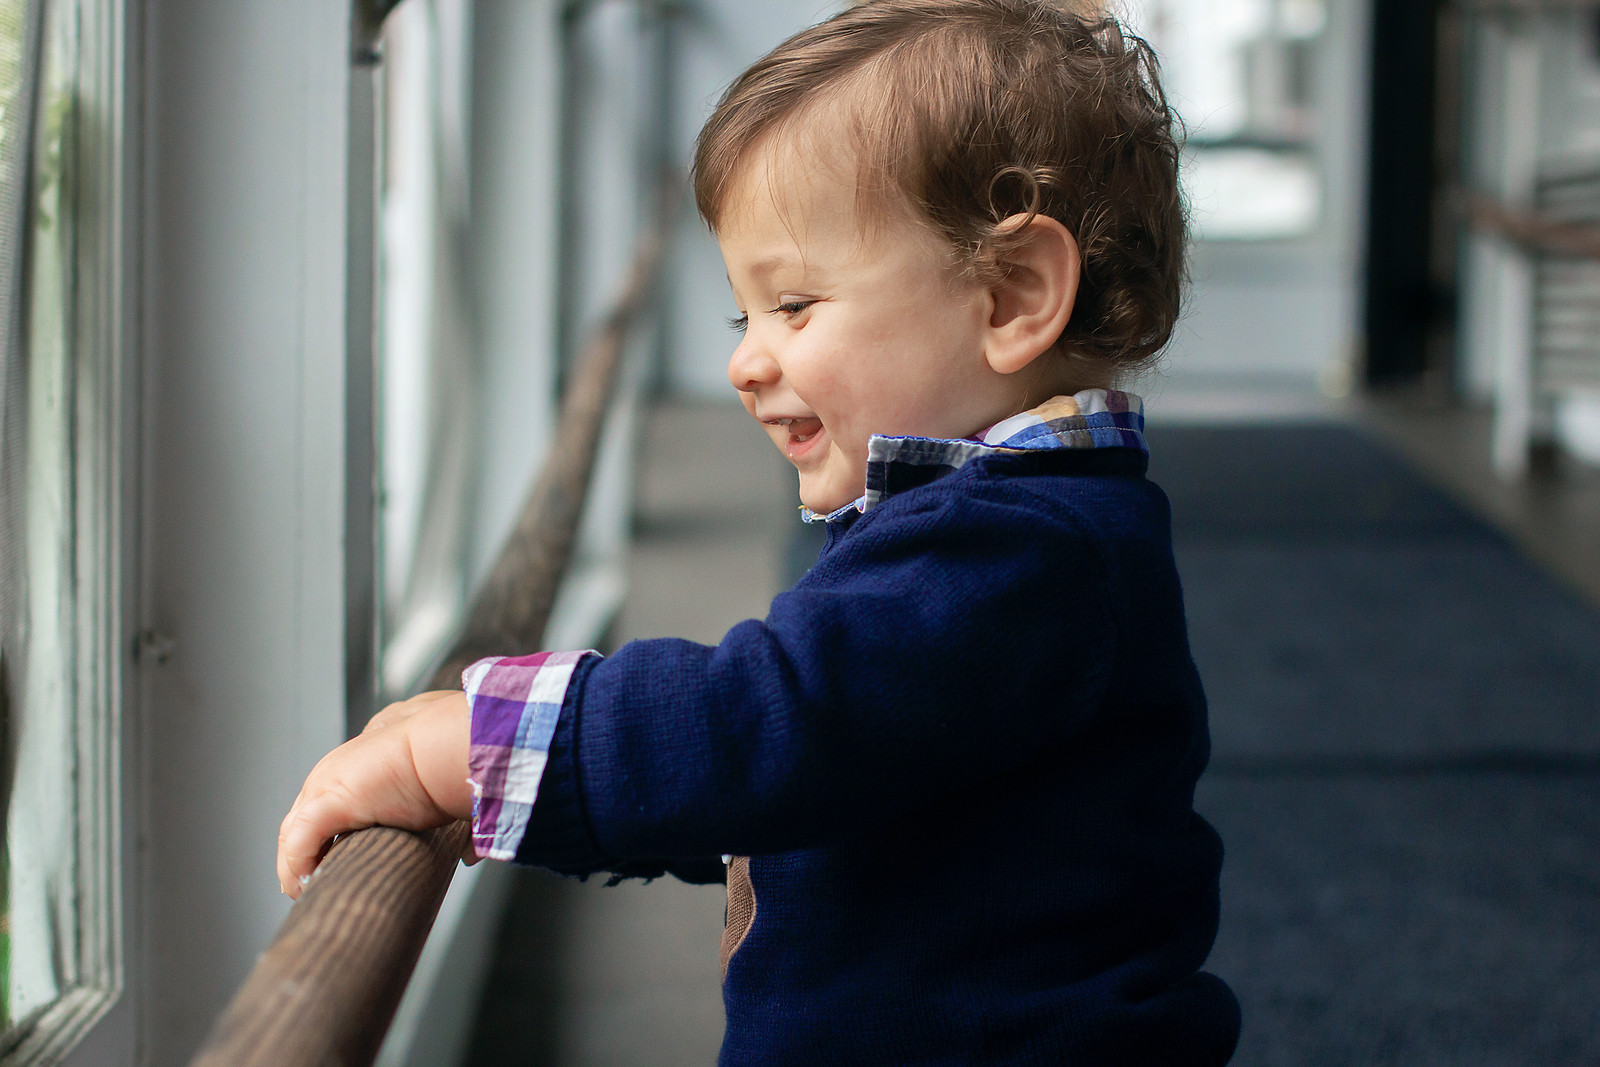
<point x="1094" y="418"/>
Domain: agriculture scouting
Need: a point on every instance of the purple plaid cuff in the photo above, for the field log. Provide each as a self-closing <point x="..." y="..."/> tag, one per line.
<point x="515" y="702"/>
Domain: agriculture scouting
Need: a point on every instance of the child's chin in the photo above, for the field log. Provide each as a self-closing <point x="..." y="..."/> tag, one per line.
<point x="824" y="505"/>
<point x="820" y="495"/>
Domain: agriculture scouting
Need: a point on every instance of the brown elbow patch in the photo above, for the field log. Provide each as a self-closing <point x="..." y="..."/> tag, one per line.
<point x="741" y="909"/>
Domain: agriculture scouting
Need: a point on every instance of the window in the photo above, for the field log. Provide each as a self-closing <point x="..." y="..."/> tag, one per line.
<point x="1242" y="75"/>
<point x="427" y="376"/>
<point x="58" y="655"/>
<point x="13" y="28"/>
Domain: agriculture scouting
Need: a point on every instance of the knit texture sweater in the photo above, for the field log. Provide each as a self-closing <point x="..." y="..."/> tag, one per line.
<point x="960" y="755"/>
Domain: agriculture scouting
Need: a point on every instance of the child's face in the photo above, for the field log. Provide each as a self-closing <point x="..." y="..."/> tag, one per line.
<point x="853" y="329"/>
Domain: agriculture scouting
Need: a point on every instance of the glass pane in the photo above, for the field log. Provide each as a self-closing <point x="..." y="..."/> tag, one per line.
<point x="427" y="378"/>
<point x="1241" y="74"/>
<point x="37" y="502"/>
<point x="13" y="20"/>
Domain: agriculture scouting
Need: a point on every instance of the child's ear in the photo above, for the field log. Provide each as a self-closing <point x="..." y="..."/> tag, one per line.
<point x="1032" y="305"/>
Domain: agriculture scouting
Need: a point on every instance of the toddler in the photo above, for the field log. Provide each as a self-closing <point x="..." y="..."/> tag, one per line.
<point x="951" y="774"/>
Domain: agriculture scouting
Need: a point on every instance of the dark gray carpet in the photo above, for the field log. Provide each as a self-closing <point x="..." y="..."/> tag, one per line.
<point x="1406" y="772"/>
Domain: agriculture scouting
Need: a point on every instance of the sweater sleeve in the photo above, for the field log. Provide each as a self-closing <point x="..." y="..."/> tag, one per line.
<point x="931" y="651"/>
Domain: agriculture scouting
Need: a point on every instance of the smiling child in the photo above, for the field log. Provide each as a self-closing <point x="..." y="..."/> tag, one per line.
<point x="951" y="774"/>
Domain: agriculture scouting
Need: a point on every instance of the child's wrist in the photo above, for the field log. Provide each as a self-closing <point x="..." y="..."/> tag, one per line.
<point x="440" y="737"/>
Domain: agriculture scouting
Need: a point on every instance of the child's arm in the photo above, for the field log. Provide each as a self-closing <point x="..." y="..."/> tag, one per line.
<point x="408" y="768"/>
<point x="936" y="648"/>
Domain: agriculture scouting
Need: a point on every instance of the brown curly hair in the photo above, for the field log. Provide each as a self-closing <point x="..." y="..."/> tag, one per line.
<point x="974" y="111"/>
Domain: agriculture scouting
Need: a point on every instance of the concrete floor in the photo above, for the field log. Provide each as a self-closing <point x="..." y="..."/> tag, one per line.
<point x="1553" y="514"/>
<point x="631" y="972"/>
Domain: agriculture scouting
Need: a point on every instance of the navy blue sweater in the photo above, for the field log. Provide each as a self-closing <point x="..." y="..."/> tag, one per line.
<point x="962" y="753"/>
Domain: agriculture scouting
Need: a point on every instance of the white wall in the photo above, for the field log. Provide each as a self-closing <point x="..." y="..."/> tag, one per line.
<point x="243" y="267"/>
<point x="1569" y="117"/>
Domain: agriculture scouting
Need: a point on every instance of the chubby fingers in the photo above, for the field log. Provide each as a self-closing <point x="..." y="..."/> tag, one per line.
<point x="335" y="799"/>
<point x="306" y="831"/>
<point x="380" y="778"/>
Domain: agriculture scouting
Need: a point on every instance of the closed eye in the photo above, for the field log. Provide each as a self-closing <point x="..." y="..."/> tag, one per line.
<point x="738" y="323"/>
<point x="791" y="308"/>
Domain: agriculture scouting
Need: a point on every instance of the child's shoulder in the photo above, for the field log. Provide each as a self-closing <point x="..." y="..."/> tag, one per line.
<point x="1098" y="491"/>
<point x="1009" y="518"/>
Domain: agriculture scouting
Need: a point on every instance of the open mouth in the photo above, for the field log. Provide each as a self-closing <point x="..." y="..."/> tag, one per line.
<point x="804" y="431"/>
<point x="800" y="430"/>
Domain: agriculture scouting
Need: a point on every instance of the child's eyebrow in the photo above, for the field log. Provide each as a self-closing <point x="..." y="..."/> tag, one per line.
<point x="767" y="265"/>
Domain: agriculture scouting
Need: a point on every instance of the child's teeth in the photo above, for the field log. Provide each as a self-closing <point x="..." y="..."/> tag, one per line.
<point x="801" y="428"/>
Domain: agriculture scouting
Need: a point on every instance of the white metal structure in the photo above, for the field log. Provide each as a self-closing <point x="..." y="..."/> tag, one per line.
<point x="1533" y="81"/>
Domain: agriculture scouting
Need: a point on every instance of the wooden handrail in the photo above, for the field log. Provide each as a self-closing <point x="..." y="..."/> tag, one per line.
<point x="1535" y="233"/>
<point x="326" y="989"/>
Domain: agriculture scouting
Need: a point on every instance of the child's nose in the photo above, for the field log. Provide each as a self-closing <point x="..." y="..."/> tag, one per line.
<point x="751" y="366"/>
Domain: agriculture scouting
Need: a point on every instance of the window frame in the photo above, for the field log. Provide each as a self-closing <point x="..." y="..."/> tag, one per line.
<point x="91" y="1019"/>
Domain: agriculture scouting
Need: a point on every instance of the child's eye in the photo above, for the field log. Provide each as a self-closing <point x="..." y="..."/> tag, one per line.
<point x="738" y="323"/>
<point x="791" y="308"/>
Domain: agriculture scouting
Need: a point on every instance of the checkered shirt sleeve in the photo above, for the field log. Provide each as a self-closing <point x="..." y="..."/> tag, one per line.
<point x="515" y="703"/>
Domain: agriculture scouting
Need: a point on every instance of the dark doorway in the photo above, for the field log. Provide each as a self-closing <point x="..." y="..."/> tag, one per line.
<point x="1408" y="303"/>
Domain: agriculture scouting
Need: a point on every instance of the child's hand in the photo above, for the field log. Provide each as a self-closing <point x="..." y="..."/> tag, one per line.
<point x="407" y="769"/>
